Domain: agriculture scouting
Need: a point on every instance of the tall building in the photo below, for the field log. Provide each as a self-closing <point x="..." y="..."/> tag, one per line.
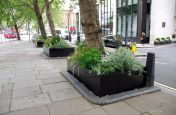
<point x="131" y="18"/>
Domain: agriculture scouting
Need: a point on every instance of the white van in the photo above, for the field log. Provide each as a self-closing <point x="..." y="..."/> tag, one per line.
<point x="63" y="33"/>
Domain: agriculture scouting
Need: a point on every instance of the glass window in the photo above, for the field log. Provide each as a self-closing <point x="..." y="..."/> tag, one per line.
<point x="129" y="2"/>
<point x="119" y="25"/>
<point x="135" y="1"/>
<point x="129" y="26"/>
<point x="119" y="3"/>
<point x="134" y="25"/>
<point x="123" y="25"/>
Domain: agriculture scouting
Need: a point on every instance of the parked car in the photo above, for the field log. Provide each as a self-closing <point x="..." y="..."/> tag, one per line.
<point x="63" y="33"/>
<point x="111" y="41"/>
<point x="9" y="33"/>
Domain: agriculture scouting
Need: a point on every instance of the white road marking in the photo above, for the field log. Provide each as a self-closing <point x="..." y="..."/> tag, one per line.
<point x="161" y="63"/>
<point x="165" y="86"/>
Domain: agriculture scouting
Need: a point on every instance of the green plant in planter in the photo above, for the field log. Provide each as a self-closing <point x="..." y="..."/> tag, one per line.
<point x="86" y="57"/>
<point x="55" y="42"/>
<point x="168" y="40"/>
<point x="156" y="42"/>
<point x="41" y="38"/>
<point x="122" y="60"/>
<point x="163" y="41"/>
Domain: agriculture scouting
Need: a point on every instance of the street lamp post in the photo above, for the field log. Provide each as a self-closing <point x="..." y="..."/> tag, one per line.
<point x="126" y="24"/>
<point x="29" y="30"/>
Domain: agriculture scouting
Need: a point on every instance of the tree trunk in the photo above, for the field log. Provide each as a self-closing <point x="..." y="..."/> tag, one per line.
<point x="49" y="16"/>
<point x="90" y="24"/>
<point x="39" y="18"/>
<point x="17" y="32"/>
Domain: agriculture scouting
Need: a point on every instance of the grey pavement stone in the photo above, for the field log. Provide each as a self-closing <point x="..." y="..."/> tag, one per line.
<point x="143" y="104"/>
<point x="4" y="80"/>
<point x="26" y="102"/>
<point x="5" y="95"/>
<point x="31" y="83"/>
<point x="7" y="87"/>
<point x="48" y="75"/>
<point x="4" y="106"/>
<point x="68" y="107"/>
<point x="39" y="110"/>
<point x="51" y="80"/>
<point x="26" y="74"/>
<point x="22" y="79"/>
<point x="165" y="110"/>
<point x="161" y="98"/>
<point x="28" y="91"/>
<point x="120" y="108"/>
<point x="0" y="89"/>
<point x="63" y="94"/>
<point x="47" y="72"/>
<point x="56" y="86"/>
<point x="97" y="111"/>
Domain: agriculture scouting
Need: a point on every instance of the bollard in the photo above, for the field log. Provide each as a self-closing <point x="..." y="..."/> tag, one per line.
<point x="69" y="37"/>
<point x="150" y="64"/>
<point x="78" y="37"/>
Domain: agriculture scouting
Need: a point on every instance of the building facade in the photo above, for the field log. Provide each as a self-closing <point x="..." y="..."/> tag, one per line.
<point x="131" y="18"/>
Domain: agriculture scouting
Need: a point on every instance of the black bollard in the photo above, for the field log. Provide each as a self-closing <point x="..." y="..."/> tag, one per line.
<point x="78" y="37"/>
<point x="69" y="37"/>
<point x="150" y="64"/>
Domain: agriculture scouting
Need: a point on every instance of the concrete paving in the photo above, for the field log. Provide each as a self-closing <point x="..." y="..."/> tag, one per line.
<point x="32" y="85"/>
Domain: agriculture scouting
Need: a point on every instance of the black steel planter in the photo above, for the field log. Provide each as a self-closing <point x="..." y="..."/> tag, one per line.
<point x="108" y="84"/>
<point x="58" y="52"/>
<point x="39" y="44"/>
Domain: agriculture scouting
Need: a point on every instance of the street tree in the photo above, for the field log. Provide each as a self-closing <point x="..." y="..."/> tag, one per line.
<point x="15" y="14"/>
<point x="49" y="16"/>
<point x="90" y="24"/>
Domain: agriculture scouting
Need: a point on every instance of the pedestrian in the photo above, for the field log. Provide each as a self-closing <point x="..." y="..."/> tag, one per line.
<point x="142" y="38"/>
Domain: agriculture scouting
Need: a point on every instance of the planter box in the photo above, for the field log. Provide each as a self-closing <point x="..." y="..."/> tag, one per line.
<point x="58" y="52"/>
<point x="108" y="84"/>
<point x="39" y="44"/>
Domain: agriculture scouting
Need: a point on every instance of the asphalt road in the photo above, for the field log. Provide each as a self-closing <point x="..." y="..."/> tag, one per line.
<point x="165" y="63"/>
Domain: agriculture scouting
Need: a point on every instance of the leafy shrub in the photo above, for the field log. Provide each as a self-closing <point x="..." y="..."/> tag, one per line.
<point x="121" y="60"/>
<point x="41" y="38"/>
<point x="55" y="42"/>
<point x="86" y="57"/>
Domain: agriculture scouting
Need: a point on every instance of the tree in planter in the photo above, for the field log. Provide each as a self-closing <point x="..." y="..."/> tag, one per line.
<point x="90" y="24"/>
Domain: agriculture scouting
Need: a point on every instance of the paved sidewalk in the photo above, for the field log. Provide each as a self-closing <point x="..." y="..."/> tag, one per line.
<point x="31" y="85"/>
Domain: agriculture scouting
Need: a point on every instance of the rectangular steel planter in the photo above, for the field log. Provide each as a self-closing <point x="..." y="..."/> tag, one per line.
<point x="108" y="84"/>
<point x="58" y="52"/>
<point x="39" y="44"/>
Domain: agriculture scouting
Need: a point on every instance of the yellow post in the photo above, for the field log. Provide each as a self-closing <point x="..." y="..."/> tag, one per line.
<point x="133" y="49"/>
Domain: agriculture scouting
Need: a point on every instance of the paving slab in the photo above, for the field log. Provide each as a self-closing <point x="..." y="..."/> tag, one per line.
<point x="31" y="83"/>
<point x="165" y="110"/>
<point x="68" y="107"/>
<point x="22" y="79"/>
<point x="55" y="86"/>
<point x="143" y="104"/>
<point x="63" y="94"/>
<point x="97" y="111"/>
<point x="7" y="87"/>
<point x="120" y="108"/>
<point x="39" y="110"/>
<point x="4" y="106"/>
<point x="5" y="95"/>
<point x="51" y="80"/>
<point x="31" y="101"/>
<point x="48" y="75"/>
<point x="26" y="92"/>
